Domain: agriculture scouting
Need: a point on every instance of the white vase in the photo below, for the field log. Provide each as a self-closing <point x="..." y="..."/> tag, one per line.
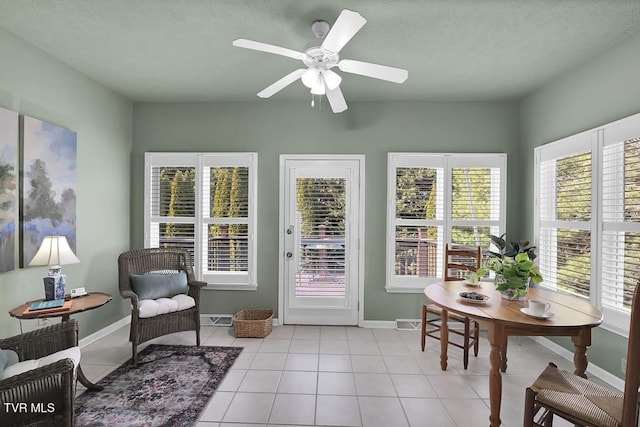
<point x="510" y="293"/>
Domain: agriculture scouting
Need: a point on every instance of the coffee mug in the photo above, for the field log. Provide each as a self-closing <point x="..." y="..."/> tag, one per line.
<point x="538" y="308"/>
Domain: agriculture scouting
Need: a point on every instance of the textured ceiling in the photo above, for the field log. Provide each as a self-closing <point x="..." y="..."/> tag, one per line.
<point x="180" y="50"/>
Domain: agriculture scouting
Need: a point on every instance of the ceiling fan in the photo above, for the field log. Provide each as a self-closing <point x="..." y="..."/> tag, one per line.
<point x="321" y="55"/>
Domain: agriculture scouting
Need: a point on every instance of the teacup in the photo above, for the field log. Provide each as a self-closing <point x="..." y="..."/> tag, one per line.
<point x="538" y="308"/>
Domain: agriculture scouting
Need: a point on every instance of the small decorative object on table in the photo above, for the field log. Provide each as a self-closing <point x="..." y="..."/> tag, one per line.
<point x="252" y="323"/>
<point x="514" y="267"/>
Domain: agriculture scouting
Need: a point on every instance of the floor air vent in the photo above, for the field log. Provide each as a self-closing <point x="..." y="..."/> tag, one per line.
<point x="408" y="324"/>
<point x="220" y="320"/>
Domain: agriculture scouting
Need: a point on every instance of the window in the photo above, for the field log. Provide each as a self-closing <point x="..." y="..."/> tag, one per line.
<point x="588" y="216"/>
<point x="434" y="199"/>
<point x="205" y="203"/>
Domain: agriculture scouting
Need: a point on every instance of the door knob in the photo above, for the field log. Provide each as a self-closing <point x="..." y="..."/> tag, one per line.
<point x="289" y="255"/>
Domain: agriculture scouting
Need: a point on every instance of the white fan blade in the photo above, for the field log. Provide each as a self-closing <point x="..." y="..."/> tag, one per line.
<point x="382" y="72"/>
<point x="282" y="83"/>
<point x="264" y="47"/>
<point x="336" y="100"/>
<point x="345" y="27"/>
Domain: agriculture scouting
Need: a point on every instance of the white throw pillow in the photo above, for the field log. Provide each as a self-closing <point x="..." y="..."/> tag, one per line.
<point x="7" y="358"/>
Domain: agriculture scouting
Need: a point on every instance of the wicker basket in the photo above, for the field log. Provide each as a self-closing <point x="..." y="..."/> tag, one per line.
<point x="251" y="323"/>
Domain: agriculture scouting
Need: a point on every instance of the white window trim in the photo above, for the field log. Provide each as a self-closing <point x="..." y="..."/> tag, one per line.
<point x="215" y="281"/>
<point x="594" y="140"/>
<point x="446" y="161"/>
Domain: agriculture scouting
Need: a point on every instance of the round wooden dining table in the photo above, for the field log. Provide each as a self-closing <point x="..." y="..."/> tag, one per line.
<point x="572" y="316"/>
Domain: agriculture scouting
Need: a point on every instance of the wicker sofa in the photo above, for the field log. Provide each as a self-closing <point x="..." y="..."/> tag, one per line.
<point x="43" y="396"/>
<point x="156" y="262"/>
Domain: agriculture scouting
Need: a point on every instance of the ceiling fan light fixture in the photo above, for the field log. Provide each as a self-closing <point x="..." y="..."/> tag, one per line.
<point x="320" y="55"/>
<point x="318" y="87"/>
<point x="332" y="79"/>
<point x="310" y="77"/>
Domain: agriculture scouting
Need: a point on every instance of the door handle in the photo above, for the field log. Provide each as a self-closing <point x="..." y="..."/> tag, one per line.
<point x="289" y="255"/>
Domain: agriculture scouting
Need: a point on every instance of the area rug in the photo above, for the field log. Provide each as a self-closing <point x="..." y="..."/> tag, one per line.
<point x="170" y="387"/>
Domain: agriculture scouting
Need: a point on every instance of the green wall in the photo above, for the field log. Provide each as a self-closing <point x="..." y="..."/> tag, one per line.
<point x="113" y="135"/>
<point x="600" y="91"/>
<point x="271" y="128"/>
<point x="37" y="85"/>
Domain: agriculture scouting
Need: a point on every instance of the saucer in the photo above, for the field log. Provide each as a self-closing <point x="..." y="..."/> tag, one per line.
<point x="546" y="315"/>
<point x="473" y="285"/>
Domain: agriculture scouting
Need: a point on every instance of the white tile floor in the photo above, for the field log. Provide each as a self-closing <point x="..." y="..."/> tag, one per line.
<point x="345" y="376"/>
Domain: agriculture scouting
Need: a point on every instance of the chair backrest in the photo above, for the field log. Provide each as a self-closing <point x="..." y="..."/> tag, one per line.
<point x="632" y="376"/>
<point x="458" y="260"/>
<point x="141" y="261"/>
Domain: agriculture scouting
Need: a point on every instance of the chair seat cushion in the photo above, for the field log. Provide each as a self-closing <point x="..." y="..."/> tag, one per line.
<point x="154" y="286"/>
<point x="155" y="307"/>
<point x="72" y="353"/>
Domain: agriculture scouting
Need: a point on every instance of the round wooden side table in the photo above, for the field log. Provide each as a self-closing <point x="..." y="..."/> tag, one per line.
<point x="79" y="304"/>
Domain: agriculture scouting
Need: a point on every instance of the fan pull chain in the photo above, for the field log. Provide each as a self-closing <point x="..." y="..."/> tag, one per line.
<point x="313" y="102"/>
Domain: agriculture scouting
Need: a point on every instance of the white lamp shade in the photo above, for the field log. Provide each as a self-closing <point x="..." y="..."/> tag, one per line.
<point x="332" y="79"/>
<point x="54" y="251"/>
<point x="310" y="77"/>
<point x="318" y="87"/>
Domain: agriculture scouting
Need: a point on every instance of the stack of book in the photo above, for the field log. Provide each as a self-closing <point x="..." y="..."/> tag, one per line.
<point x="47" y="307"/>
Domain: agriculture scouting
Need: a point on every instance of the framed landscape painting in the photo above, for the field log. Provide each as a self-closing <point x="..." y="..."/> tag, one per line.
<point x="8" y="194"/>
<point x="48" y="191"/>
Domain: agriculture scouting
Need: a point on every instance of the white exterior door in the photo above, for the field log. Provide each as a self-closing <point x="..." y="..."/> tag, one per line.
<point x="321" y="235"/>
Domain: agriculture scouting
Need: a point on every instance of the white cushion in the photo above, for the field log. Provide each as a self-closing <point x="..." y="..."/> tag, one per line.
<point x="18" y="368"/>
<point x="154" y="307"/>
<point x="184" y="301"/>
<point x="72" y="353"/>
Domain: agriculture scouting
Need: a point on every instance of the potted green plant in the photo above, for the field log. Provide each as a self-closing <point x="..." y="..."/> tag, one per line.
<point x="513" y="266"/>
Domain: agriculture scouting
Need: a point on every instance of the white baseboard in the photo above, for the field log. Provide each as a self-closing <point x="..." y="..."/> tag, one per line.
<point x="606" y="376"/>
<point x="90" y="339"/>
<point x="382" y="324"/>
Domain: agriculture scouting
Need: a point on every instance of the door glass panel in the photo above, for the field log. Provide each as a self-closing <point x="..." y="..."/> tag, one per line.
<point x="321" y="248"/>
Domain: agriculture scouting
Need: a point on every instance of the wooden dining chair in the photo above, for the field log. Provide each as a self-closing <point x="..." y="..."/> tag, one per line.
<point x="583" y="402"/>
<point x="458" y="260"/>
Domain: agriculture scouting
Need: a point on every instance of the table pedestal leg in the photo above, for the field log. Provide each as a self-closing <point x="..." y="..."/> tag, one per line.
<point x="444" y="338"/>
<point x="496" y="339"/>
<point x="581" y="342"/>
<point x="85" y="381"/>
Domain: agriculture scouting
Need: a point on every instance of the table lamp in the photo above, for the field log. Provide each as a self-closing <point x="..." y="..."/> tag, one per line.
<point x="54" y="252"/>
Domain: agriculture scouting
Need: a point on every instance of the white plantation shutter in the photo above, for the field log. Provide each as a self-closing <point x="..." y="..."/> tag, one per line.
<point x="588" y="216"/>
<point x="620" y="215"/>
<point x="475" y="205"/>
<point x="172" y="203"/>
<point x="438" y="198"/>
<point x="564" y="242"/>
<point x="205" y="203"/>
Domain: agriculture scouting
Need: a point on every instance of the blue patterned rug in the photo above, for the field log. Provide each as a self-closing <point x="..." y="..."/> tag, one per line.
<point x="170" y="387"/>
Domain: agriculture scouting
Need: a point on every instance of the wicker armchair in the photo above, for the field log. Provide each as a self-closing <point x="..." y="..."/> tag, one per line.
<point x="158" y="261"/>
<point x="44" y="389"/>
